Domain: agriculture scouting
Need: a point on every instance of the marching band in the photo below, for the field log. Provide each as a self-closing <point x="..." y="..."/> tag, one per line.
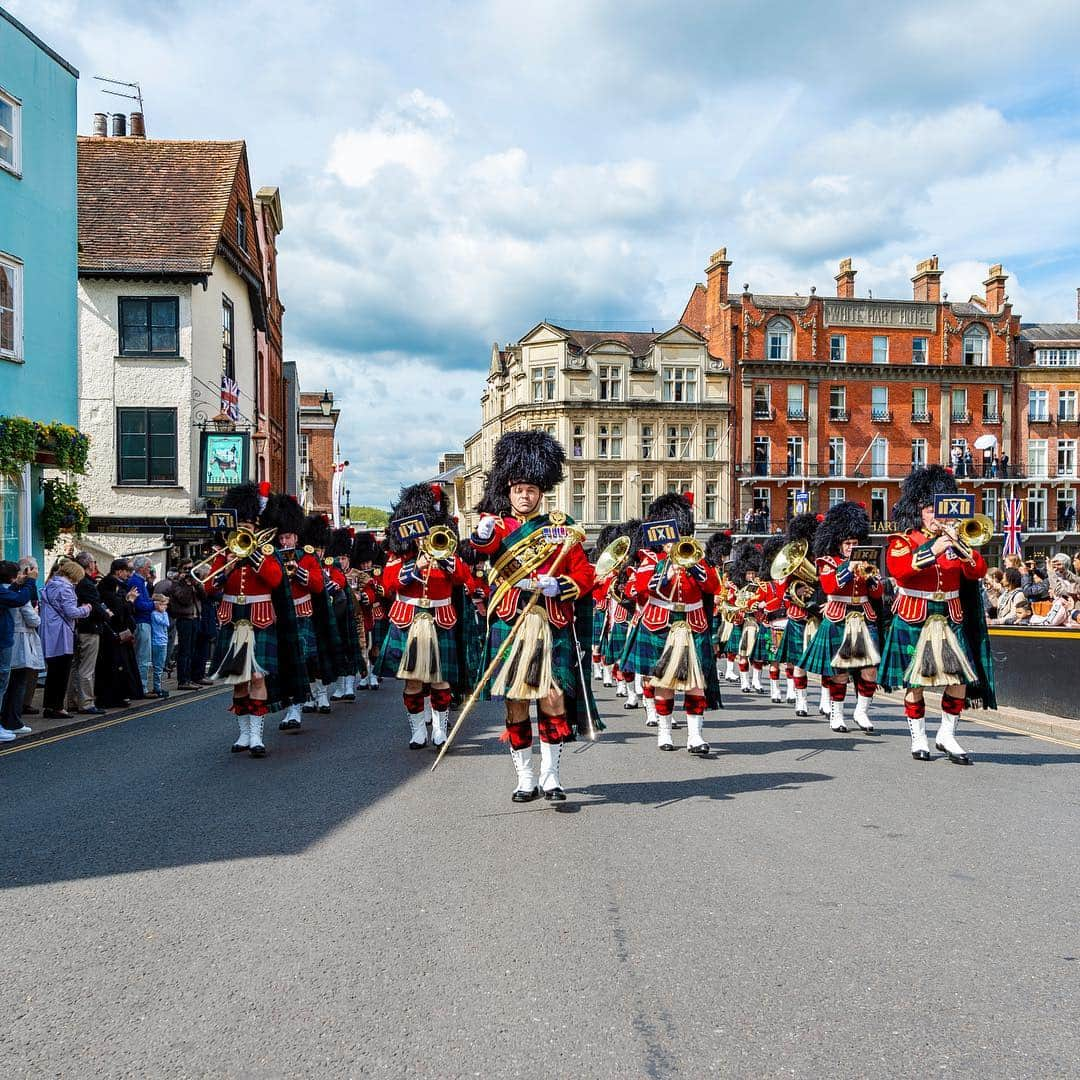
<point x="519" y="612"/>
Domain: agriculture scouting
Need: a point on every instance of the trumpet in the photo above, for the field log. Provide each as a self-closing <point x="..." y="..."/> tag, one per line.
<point x="971" y="532"/>
<point x="240" y="544"/>
<point x="686" y="552"/>
<point x="440" y="543"/>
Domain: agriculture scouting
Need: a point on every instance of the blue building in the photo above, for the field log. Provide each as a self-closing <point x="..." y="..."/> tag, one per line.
<point x="38" y="263"/>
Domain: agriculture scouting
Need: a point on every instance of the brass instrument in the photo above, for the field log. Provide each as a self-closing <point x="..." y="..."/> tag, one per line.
<point x="288" y="556"/>
<point x="744" y="599"/>
<point x="686" y="552"/>
<point x="971" y="532"/>
<point x="440" y="543"/>
<point x="791" y="562"/>
<point x="613" y="558"/>
<point x="240" y="544"/>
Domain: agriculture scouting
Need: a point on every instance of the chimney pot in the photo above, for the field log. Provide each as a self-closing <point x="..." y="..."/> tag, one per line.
<point x="845" y="281"/>
<point x="119" y="124"/>
<point x="137" y="128"/>
<point x="101" y="124"/>
<point x="927" y="281"/>
<point x="995" y="289"/>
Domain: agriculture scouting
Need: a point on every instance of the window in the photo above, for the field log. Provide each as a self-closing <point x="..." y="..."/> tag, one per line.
<point x="796" y="410"/>
<point x="578" y="442"/>
<point x="837" y="402"/>
<point x="10" y="134"/>
<point x="11" y="344"/>
<point x="711" y="442"/>
<point x="761" y="455"/>
<point x="778" y="334"/>
<point x="609" y="499"/>
<point x="959" y="406"/>
<point x="879" y="457"/>
<point x="1066" y="463"/>
<point x="836" y="456"/>
<point x="879" y="403"/>
<point x="680" y="384"/>
<point x="763" y="504"/>
<point x="918" y="452"/>
<point x="1067" y="405"/>
<point x="149" y="326"/>
<point x="678" y="441"/>
<point x="975" y="346"/>
<point x="146" y="452"/>
<point x="1066" y="499"/>
<point x="543" y="383"/>
<point x="881" y="349"/>
<point x="795" y="456"/>
<point x="1038" y="404"/>
<point x="990" y="504"/>
<point x="648" y="441"/>
<point x="762" y="401"/>
<point x="920" y="350"/>
<point x="647" y="495"/>
<point x="548" y="429"/>
<point x="712" y="500"/>
<point x="879" y="505"/>
<point x="577" y="497"/>
<point x="1037" y="465"/>
<point x="228" y="355"/>
<point x="610" y="382"/>
<point x="10" y="520"/>
<point x="794" y="503"/>
<point x="919" y="410"/>
<point x="836" y="497"/>
<point x="990" y="406"/>
<point x="609" y="441"/>
<point x="1057" y="357"/>
<point x="677" y="486"/>
<point x="1036" y="510"/>
<point x="305" y="467"/>
<point x="838" y="348"/>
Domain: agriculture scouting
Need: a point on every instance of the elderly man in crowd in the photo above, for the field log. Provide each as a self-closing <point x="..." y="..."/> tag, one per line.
<point x="1063" y="581"/>
<point x="143" y="605"/>
<point x="80" y="693"/>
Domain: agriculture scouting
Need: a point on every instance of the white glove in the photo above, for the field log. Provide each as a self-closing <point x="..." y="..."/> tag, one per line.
<point x="548" y="585"/>
<point x="486" y="528"/>
<point x="528" y="584"/>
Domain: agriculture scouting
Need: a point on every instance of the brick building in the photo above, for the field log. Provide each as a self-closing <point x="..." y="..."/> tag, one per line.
<point x="837" y="397"/>
<point x="269" y="438"/>
<point x="319" y="417"/>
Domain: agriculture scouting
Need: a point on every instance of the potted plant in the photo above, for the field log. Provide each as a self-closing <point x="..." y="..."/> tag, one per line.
<point x="63" y="511"/>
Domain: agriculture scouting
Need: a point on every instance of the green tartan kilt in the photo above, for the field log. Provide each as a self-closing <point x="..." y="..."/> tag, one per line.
<point x="562" y="658"/>
<point x="615" y="643"/>
<point x="731" y="642"/>
<point x="393" y="649"/>
<point x="649" y="644"/>
<point x="818" y="657"/>
<point x="599" y="615"/>
<point x="266" y="644"/>
<point x="900" y="644"/>
<point x="763" y="650"/>
<point x="305" y="630"/>
<point x="377" y="635"/>
<point x="791" y="644"/>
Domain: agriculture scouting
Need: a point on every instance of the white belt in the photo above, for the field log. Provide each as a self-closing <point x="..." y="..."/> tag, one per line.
<point x="243" y="598"/>
<point x="669" y="605"/>
<point x="422" y="602"/>
<point x="845" y="599"/>
<point x="298" y="600"/>
<point x="919" y="594"/>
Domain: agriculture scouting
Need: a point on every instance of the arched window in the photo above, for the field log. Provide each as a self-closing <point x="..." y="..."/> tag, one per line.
<point x="976" y="346"/>
<point x="778" y="337"/>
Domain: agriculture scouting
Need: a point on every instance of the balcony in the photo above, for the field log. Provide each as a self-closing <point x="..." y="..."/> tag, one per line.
<point x="792" y="470"/>
<point x="921" y="417"/>
<point x="1068" y="418"/>
<point x="881" y="416"/>
<point x="961" y="417"/>
<point x="796" y="414"/>
<point x="991" y="418"/>
<point x="764" y="412"/>
<point x="1039" y="418"/>
<point x="838" y="416"/>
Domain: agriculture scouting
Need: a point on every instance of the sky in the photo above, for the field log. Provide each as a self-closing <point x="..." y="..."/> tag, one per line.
<point x="454" y="173"/>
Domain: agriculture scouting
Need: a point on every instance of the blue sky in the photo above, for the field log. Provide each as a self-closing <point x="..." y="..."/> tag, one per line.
<point x="454" y="173"/>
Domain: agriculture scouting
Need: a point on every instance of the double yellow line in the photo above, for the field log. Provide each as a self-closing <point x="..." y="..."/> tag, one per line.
<point x="90" y="728"/>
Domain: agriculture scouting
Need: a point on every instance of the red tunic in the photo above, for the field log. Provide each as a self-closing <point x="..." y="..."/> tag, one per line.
<point x="246" y="585"/>
<point x="432" y="592"/>
<point x="845" y="589"/>
<point x="678" y="593"/>
<point x="307" y="579"/>
<point x="922" y="576"/>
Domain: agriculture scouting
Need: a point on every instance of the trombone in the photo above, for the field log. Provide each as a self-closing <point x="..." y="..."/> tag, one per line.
<point x="440" y="543"/>
<point x="686" y="552"/>
<point x="239" y="544"/>
<point x="970" y="533"/>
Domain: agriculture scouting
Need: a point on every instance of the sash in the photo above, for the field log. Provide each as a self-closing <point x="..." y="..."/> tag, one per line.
<point x="521" y="552"/>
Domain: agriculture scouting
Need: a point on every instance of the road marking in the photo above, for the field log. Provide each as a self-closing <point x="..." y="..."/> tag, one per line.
<point x="1034" y="632"/>
<point x="91" y="728"/>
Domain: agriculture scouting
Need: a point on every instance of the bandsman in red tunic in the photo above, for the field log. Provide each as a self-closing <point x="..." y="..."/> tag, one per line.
<point x="802" y="619"/>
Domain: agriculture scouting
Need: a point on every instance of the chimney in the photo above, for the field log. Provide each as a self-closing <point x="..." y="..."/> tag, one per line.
<point x="119" y="124"/>
<point x="101" y="125"/>
<point x="138" y="128"/>
<point x="995" y="289"/>
<point x="716" y="285"/>
<point x="927" y="281"/>
<point x="845" y="281"/>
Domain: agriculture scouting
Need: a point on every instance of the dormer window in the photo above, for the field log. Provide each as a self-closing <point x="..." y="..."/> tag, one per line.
<point x="610" y="376"/>
<point x="975" y="346"/>
<point x="778" y="336"/>
<point x="241" y="225"/>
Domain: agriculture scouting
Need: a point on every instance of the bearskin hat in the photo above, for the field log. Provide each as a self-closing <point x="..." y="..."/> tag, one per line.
<point x="607" y="534"/>
<point x="746" y="555"/>
<point x="521" y="457"/>
<point x="769" y="550"/>
<point x="803" y="527"/>
<point x="244" y="499"/>
<point x="284" y="513"/>
<point x="845" y="521"/>
<point x="917" y="491"/>
<point x="468" y="554"/>
<point x="316" y="532"/>
<point x="364" y="549"/>
<point x="412" y="500"/>
<point x="341" y="543"/>
<point x="718" y="548"/>
<point x="671" y="505"/>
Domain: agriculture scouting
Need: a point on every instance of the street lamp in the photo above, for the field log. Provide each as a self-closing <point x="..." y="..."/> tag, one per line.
<point x="326" y="402"/>
<point x="348" y="506"/>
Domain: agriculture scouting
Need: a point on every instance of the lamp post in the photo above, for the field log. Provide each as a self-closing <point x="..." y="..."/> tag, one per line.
<point x="326" y="402"/>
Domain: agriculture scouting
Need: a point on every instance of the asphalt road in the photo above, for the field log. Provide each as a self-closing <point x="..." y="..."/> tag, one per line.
<point x="799" y="904"/>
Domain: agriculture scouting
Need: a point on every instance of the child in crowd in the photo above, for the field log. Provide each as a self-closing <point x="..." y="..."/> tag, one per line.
<point x="159" y="641"/>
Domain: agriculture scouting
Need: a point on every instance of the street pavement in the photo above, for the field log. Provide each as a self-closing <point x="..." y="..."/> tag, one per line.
<point x="801" y="903"/>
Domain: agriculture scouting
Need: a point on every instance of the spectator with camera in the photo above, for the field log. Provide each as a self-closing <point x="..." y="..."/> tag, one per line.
<point x="186" y="598"/>
<point x="1034" y="581"/>
<point x="14" y="594"/>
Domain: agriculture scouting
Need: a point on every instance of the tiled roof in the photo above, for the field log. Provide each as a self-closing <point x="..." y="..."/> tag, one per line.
<point x="638" y="344"/>
<point x="1050" y="331"/>
<point x="153" y="205"/>
<point x="967" y="309"/>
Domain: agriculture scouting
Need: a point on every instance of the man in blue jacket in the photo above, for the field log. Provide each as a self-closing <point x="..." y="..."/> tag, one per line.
<point x="144" y="608"/>
<point x="14" y="592"/>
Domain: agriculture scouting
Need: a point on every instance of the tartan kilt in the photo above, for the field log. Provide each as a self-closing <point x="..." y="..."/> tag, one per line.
<point x="791" y="644"/>
<point x="763" y="650"/>
<point x="900" y="643"/>
<point x="377" y="635"/>
<point x="731" y="643"/>
<point x="393" y="649"/>
<point x="305" y="630"/>
<point x="615" y="643"/>
<point x="266" y="643"/>
<point x="562" y="658"/>
<point x="649" y="644"/>
<point x="599" y="616"/>
<point x="818" y="657"/>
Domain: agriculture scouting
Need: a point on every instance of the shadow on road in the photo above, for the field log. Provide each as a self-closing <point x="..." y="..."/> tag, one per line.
<point x="661" y="793"/>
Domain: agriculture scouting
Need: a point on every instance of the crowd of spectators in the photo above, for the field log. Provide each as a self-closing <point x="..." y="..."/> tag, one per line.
<point x="1034" y="592"/>
<point x="101" y="641"/>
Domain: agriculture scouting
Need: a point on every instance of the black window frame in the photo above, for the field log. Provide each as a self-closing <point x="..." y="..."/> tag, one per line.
<point x="241" y="226"/>
<point x="149" y="301"/>
<point x="149" y="480"/>
<point x="228" y="347"/>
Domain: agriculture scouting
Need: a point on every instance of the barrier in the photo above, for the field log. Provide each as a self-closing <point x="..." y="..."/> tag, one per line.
<point x="1035" y="669"/>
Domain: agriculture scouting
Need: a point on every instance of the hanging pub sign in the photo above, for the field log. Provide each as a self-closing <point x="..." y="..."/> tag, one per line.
<point x="223" y="461"/>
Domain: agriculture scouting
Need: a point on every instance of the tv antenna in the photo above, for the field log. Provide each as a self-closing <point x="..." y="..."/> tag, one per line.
<point x="137" y="96"/>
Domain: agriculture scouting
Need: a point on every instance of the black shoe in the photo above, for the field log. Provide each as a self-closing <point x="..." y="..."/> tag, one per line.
<point x="95" y="711"/>
<point x="418" y="745"/>
<point x="348" y="697"/>
<point x="324" y="709"/>
<point x="258" y="751"/>
<point x="665" y="746"/>
<point x="867" y="730"/>
<point x="627" y="705"/>
<point x="801" y="712"/>
<point x="124" y="703"/>
<point x="841" y="730"/>
<point x="556" y="794"/>
<point x="56" y="714"/>
<point x="921" y="755"/>
<point x="956" y="759"/>
<point x="31" y="711"/>
<point x="526" y="796"/>
<point x="237" y="749"/>
<point x="289" y="725"/>
<point x="308" y="708"/>
<point x="747" y="690"/>
<point x="699" y="751"/>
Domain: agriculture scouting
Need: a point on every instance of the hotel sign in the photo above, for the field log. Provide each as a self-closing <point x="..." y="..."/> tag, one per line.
<point x="902" y="316"/>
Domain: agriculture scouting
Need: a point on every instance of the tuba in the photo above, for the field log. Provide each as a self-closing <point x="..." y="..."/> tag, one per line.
<point x="791" y="563"/>
<point x="440" y="543"/>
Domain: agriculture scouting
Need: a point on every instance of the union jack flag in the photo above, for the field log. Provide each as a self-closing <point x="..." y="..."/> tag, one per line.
<point x="230" y="397"/>
<point x="1012" y="518"/>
